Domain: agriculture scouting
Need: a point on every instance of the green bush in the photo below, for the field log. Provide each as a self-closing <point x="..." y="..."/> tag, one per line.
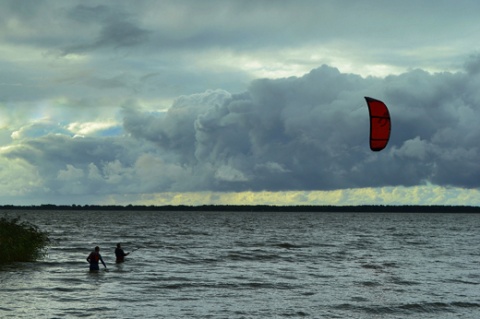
<point x="21" y="241"/>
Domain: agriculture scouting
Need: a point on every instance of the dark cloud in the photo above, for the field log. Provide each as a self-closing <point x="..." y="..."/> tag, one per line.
<point x="312" y="132"/>
<point x="90" y="14"/>
<point x="104" y="27"/>
<point x="473" y="64"/>
<point x="115" y="35"/>
<point x="297" y="133"/>
<point x="175" y="130"/>
<point x="305" y="133"/>
<point x="23" y="9"/>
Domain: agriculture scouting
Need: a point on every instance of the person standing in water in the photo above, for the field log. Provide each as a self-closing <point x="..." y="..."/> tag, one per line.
<point x="120" y="254"/>
<point x="94" y="258"/>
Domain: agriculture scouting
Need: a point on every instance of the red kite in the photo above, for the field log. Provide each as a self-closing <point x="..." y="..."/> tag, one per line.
<point x="380" y="125"/>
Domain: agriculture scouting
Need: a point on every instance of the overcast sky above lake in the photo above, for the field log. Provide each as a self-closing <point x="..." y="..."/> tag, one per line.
<point x="238" y="102"/>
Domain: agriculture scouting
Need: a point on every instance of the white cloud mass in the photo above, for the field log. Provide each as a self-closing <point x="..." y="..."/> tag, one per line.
<point x="201" y="102"/>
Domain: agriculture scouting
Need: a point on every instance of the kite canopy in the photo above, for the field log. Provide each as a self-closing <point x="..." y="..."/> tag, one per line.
<point x="380" y="125"/>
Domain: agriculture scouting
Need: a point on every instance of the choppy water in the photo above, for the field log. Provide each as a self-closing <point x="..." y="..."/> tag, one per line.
<point x="250" y="265"/>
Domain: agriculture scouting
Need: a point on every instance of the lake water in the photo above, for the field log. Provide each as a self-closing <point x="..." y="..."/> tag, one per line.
<point x="250" y="265"/>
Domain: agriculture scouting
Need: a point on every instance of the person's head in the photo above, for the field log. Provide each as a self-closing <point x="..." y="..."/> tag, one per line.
<point x="97" y="249"/>
<point x="118" y="245"/>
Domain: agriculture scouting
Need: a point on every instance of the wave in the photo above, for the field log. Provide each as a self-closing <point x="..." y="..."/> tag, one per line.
<point x="411" y="308"/>
<point x="255" y="255"/>
<point x="227" y="286"/>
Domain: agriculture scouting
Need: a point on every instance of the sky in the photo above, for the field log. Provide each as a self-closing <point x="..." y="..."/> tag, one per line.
<point x="189" y="102"/>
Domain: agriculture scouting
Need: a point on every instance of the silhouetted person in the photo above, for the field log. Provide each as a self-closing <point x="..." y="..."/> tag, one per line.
<point x="120" y="254"/>
<point x="94" y="258"/>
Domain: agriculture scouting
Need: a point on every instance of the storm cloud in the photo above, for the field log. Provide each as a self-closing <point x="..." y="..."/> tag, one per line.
<point x="299" y="133"/>
<point x="108" y="100"/>
<point x="312" y="132"/>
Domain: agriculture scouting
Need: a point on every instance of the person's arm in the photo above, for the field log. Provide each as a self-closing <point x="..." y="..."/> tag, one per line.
<point x="88" y="258"/>
<point x="101" y="259"/>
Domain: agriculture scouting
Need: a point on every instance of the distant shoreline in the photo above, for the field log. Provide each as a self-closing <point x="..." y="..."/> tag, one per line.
<point x="258" y="208"/>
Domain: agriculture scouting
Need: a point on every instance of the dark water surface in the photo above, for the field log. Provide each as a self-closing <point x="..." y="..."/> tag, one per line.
<point x="250" y="265"/>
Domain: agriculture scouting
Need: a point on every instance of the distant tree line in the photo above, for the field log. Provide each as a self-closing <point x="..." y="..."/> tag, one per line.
<point x="259" y="208"/>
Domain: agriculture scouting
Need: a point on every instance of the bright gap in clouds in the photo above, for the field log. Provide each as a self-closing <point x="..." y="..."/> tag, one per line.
<point x="270" y="69"/>
<point x="417" y="195"/>
<point x="90" y="128"/>
<point x="284" y="63"/>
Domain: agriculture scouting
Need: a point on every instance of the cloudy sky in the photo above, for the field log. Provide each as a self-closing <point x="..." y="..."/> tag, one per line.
<point x="238" y="102"/>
